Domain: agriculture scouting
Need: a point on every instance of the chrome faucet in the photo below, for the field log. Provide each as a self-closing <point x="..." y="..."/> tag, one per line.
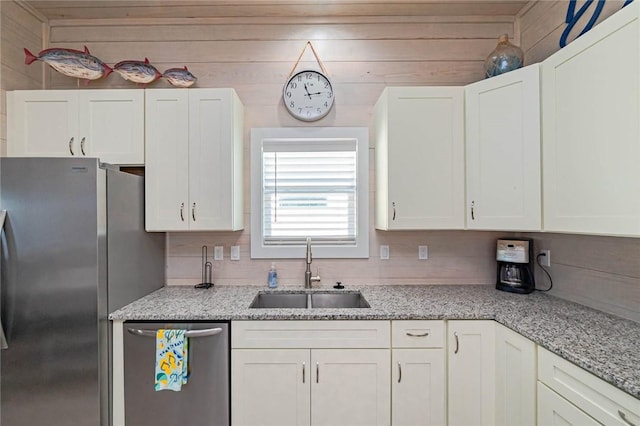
<point x="308" y="279"/>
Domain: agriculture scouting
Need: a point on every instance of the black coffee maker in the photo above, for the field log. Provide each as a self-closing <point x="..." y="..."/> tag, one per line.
<point x="515" y="265"/>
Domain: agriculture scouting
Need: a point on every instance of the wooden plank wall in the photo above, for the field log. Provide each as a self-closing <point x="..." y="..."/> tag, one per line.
<point x="601" y="272"/>
<point x="20" y="27"/>
<point x="255" y="55"/>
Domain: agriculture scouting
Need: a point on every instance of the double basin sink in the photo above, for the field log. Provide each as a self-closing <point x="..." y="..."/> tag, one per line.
<point x="309" y="300"/>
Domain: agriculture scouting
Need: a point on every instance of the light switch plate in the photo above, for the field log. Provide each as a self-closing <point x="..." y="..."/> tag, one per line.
<point x="384" y="252"/>
<point x="423" y="252"/>
<point x="235" y="252"/>
<point x="218" y="253"/>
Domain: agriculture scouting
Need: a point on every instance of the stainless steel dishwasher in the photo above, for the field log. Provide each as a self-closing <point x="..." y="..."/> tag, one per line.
<point x="203" y="400"/>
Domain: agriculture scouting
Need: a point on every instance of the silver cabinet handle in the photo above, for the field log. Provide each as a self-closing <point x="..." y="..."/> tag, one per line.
<point x="473" y="217"/>
<point x="624" y="418"/>
<point x="193" y="212"/>
<point x="457" y="343"/>
<point x="190" y="333"/>
<point x="303" y="372"/>
<point x="71" y="146"/>
<point x="394" y="210"/>
<point x="182" y="212"/>
<point x="418" y="335"/>
<point x="399" y="373"/>
<point x="317" y="372"/>
<point x="82" y="146"/>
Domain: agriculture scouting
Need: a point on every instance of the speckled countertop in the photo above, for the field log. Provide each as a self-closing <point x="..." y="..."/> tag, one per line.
<point x="605" y="345"/>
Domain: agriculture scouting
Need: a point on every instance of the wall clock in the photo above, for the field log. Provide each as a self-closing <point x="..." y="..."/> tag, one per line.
<point x="308" y="95"/>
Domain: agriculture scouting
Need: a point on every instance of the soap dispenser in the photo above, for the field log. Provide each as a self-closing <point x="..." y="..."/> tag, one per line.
<point x="272" y="278"/>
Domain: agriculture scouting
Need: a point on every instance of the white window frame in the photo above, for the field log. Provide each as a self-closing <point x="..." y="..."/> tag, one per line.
<point x="361" y="248"/>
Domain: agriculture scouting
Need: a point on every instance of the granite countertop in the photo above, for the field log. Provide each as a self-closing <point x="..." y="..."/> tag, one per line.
<point x="605" y="345"/>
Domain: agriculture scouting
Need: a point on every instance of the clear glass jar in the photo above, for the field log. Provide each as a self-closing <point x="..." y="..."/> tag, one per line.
<point x="504" y="58"/>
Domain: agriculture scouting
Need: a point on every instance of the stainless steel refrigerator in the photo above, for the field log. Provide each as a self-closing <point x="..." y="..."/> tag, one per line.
<point x="73" y="249"/>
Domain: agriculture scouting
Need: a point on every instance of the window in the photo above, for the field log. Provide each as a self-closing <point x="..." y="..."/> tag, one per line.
<point x="310" y="182"/>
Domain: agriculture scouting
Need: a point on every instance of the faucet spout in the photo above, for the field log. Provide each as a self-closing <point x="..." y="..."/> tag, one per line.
<point x="308" y="278"/>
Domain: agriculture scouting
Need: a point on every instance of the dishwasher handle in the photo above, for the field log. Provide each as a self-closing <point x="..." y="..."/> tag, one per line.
<point x="189" y="333"/>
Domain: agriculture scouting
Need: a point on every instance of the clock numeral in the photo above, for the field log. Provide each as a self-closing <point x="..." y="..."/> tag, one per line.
<point x="326" y="104"/>
<point x="309" y="76"/>
<point x="293" y="85"/>
<point x="326" y="84"/>
<point x="309" y="113"/>
<point x="319" y="111"/>
<point x="299" y="78"/>
<point x="292" y="104"/>
<point x="288" y="94"/>
<point x="329" y="95"/>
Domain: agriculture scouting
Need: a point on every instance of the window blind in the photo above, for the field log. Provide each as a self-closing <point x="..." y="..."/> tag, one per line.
<point x="309" y="190"/>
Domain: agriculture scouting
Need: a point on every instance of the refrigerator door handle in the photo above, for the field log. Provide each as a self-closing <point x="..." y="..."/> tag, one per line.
<point x="3" y="340"/>
<point x="190" y="333"/>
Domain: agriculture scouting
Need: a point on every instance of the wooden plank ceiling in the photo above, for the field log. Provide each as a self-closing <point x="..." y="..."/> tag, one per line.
<point x="117" y="9"/>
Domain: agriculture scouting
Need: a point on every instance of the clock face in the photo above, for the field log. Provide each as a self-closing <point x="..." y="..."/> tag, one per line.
<point x="308" y="95"/>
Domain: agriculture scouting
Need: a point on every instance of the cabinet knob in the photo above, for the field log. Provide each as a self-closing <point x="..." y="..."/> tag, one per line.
<point x="193" y="212"/>
<point x="455" y="351"/>
<point x="82" y="145"/>
<point x="473" y="217"/>
<point x="393" y="204"/>
<point x="71" y="146"/>
<point x="182" y="212"/>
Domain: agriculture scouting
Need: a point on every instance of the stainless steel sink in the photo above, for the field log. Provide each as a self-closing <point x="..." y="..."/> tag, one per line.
<point x="338" y="300"/>
<point x="280" y="300"/>
<point x="309" y="300"/>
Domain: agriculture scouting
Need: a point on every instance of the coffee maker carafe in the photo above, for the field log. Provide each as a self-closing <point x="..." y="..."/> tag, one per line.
<point x="515" y="265"/>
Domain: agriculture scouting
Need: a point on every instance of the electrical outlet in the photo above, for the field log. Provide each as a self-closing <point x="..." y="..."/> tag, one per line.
<point x="384" y="252"/>
<point x="218" y="253"/>
<point x="423" y="252"/>
<point x="545" y="257"/>
<point x="235" y="253"/>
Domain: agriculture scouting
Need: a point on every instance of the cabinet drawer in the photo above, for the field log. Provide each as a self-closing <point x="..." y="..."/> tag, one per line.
<point x="599" y="399"/>
<point x="310" y="334"/>
<point x="417" y="334"/>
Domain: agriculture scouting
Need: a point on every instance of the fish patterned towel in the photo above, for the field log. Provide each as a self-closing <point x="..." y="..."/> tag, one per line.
<point x="172" y="350"/>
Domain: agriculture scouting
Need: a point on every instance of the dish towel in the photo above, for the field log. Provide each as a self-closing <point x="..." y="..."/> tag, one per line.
<point x="172" y="354"/>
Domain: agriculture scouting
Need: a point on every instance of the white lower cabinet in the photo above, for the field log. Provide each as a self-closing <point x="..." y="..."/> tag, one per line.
<point x="270" y="387"/>
<point x="515" y="378"/>
<point x="310" y="380"/>
<point x="554" y="410"/>
<point x="350" y="387"/>
<point x="418" y="378"/>
<point x="577" y="397"/>
<point x="471" y="375"/>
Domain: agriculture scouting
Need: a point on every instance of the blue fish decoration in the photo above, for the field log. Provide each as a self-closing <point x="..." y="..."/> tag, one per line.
<point x="180" y="77"/>
<point x="141" y="72"/>
<point x="70" y="62"/>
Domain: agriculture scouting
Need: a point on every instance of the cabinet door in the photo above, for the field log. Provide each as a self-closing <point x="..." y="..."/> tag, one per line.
<point x="213" y="161"/>
<point x="270" y="387"/>
<point x="515" y="378"/>
<point x="503" y="151"/>
<point x="111" y="125"/>
<point x="471" y="356"/>
<point x="418" y="387"/>
<point x="554" y="410"/>
<point x="167" y="160"/>
<point x="350" y="387"/>
<point x="420" y="158"/>
<point x="590" y="132"/>
<point x="42" y="123"/>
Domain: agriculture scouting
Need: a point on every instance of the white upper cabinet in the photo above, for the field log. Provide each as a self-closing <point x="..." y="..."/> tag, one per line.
<point x="419" y="158"/>
<point x="108" y="124"/>
<point x="193" y="160"/>
<point x="590" y="131"/>
<point x="503" y="152"/>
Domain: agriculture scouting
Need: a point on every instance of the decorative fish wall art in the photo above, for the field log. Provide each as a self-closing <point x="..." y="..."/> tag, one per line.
<point x="72" y="63"/>
<point x="179" y="77"/>
<point x="83" y="65"/>
<point x="141" y="72"/>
